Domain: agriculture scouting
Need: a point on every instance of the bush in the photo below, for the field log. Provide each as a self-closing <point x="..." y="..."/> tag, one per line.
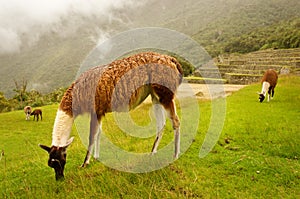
<point x="32" y="98"/>
<point x="4" y="104"/>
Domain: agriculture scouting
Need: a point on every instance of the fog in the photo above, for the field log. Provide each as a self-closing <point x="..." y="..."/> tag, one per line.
<point x="23" y="22"/>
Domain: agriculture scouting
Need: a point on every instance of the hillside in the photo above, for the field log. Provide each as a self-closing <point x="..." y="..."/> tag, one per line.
<point x="252" y="17"/>
<point x="53" y="60"/>
<point x="282" y="35"/>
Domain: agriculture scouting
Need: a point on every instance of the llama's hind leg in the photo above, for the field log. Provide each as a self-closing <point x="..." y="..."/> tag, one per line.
<point x="94" y="124"/>
<point x="171" y="110"/>
<point x="97" y="141"/>
<point x="272" y="93"/>
<point x="160" y="123"/>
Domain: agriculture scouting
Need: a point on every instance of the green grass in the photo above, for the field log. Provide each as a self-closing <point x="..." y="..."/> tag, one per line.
<point x="241" y="74"/>
<point x="203" y="80"/>
<point x="256" y="156"/>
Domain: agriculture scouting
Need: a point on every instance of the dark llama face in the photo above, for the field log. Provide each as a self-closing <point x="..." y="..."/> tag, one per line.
<point x="261" y="97"/>
<point x="57" y="160"/>
<point x="28" y="112"/>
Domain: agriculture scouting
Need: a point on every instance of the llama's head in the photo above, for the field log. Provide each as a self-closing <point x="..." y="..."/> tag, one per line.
<point x="28" y="112"/>
<point x="57" y="158"/>
<point x="261" y="97"/>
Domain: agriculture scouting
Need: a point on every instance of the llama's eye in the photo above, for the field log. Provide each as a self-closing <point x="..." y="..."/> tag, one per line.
<point x="51" y="163"/>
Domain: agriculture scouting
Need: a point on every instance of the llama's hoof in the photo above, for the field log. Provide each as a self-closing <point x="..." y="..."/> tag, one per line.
<point x="84" y="165"/>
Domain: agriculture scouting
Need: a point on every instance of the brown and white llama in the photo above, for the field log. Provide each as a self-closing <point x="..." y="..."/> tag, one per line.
<point x="37" y="113"/>
<point x="119" y="86"/>
<point x="27" y="111"/>
<point x="269" y="82"/>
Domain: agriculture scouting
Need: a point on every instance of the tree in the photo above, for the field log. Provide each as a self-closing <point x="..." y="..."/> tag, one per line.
<point x="4" y="104"/>
<point x="20" y="89"/>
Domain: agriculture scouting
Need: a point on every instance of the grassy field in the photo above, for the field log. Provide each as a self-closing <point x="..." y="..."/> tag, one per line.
<point x="256" y="156"/>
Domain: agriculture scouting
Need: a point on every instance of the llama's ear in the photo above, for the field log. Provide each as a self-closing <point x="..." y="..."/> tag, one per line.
<point x="69" y="142"/>
<point x="48" y="149"/>
<point x="258" y="93"/>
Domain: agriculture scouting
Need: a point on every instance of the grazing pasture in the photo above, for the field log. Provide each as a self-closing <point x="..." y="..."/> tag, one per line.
<point x="257" y="155"/>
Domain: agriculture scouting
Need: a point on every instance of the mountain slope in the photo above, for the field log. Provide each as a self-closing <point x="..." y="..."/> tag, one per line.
<point x="251" y="16"/>
<point x="54" y="59"/>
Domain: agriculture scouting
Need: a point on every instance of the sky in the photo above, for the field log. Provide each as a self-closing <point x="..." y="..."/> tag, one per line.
<point x="30" y="19"/>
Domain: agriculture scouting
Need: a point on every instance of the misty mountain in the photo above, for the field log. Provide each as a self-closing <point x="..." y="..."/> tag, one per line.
<point x="50" y="54"/>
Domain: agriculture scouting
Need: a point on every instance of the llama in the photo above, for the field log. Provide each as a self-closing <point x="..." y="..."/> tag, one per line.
<point x="105" y="89"/>
<point x="269" y="82"/>
<point x="27" y="111"/>
<point x="36" y="113"/>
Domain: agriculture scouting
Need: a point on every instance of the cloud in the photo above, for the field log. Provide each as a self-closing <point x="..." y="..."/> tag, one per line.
<point x="30" y="19"/>
<point x="10" y="41"/>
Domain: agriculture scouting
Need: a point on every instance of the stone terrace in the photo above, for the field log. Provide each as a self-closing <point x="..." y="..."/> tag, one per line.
<point x="248" y="68"/>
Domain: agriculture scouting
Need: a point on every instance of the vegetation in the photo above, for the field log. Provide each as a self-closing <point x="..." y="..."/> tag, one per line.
<point x="32" y="98"/>
<point x="253" y="26"/>
<point x="282" y="35"/>
<point x="257" y="155"/>
<point x="4" y="103"/>
<point x="187" y="67"/>
<point x="202" y="80"/>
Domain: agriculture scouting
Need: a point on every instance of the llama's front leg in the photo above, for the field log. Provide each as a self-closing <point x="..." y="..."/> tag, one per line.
<point x="93" y="134"/>
<point x="160" y="124"/>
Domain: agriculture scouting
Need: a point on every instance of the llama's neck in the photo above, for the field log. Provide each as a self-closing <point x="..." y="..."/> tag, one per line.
<point x="62" y="128"/>
<point x="265" y="88"/>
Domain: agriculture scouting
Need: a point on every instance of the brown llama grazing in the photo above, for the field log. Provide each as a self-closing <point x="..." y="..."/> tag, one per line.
<point x="27" y="111"/>
<point x="269" y="82"/>
<point x="36" y="113"/>
<point x="119" y="86"/>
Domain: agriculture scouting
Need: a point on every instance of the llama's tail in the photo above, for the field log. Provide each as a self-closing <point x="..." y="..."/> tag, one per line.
<point x="179" y="68"/>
